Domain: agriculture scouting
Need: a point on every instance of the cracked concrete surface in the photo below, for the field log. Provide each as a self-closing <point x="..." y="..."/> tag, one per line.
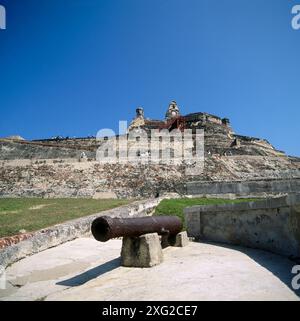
<point x="85" y="269"/>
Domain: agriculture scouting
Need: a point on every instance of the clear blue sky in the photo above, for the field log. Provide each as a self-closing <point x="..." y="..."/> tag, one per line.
<point x="72" y="67"/>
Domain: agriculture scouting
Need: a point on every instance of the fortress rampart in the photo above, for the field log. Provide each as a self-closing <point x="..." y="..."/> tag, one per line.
<point x="67" y="167"/>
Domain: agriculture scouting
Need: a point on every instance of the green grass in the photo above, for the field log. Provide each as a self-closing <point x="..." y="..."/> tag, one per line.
<point x="176" y="206"/>
<point x="32" y="214"/>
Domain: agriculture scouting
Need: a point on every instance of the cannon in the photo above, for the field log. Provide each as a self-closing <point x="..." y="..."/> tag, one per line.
<point x="105" y="228"/>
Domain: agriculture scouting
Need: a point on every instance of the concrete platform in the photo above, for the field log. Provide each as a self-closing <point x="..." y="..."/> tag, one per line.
<point x="85" y="269"/>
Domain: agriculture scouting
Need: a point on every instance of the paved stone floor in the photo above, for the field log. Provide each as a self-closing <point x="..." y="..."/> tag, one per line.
<point x="85" y="269"/>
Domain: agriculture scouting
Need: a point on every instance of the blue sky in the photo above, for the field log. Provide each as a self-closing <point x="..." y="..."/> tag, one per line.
<point x="72" y="67"/>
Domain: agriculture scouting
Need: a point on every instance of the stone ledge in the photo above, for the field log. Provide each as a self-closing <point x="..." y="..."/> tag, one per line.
<point x="263" y="186"/>
<point x="255" y="205"/>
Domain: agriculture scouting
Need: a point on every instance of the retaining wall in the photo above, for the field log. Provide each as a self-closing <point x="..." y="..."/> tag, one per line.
<point x="271" y="224"/>
<point x="242" y="188"/>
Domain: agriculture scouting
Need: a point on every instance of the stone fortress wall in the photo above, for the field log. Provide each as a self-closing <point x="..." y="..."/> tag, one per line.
<point x="52" y="149"/>
<point x="91" y="179"/>
<point x="219" y="139"/>
<point x="55" y="167"/>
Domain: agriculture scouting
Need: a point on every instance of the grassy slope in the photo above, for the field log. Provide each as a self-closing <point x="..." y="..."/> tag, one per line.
<point x="33" y="214"/>
<point x="176" y="206"/>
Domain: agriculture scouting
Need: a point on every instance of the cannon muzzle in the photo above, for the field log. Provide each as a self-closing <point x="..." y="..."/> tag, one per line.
<point x="105" y="228"/>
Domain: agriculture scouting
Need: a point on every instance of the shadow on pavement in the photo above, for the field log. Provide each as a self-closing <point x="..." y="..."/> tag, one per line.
<point x="92" y="273"/>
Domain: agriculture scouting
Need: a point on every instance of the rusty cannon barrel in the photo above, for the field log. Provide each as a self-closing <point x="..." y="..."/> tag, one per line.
<point x="105" y="228"/>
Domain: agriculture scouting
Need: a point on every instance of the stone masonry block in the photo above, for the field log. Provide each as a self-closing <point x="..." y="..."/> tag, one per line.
<point x="142" y="251"/>
<point x="181" y="239"/>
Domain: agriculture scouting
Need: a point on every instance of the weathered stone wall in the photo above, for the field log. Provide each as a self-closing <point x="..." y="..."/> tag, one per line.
<point x="60" y="178"/>
<point x="15" y="150"/>
<point x="88" y="180"/>
<point x="245" y="188"/>
<point x="272" y="224"/>
<point x="70" y="230"/>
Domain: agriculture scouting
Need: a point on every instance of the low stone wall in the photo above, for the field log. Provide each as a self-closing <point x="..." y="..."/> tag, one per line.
<point x="70" y="230"/>
<point x="248" y="188"/>
<point x="271" y="224"/>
